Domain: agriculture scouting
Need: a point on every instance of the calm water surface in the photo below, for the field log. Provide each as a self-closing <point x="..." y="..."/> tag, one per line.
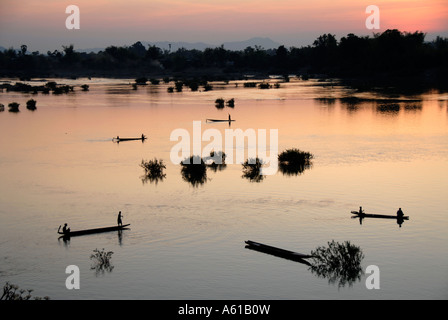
<point x="59" y="164"/>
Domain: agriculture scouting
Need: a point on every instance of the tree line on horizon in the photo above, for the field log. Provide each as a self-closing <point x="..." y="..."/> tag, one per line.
<point x="389" y="54"/>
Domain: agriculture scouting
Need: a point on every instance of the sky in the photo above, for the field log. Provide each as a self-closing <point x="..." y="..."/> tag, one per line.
<point x="41" y="24"/>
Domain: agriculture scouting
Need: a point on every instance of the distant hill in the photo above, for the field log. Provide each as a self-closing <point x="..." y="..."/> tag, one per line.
<point x="2" y="49"/>
<point x="265" y="43"/>
<point x="165" y="45"/>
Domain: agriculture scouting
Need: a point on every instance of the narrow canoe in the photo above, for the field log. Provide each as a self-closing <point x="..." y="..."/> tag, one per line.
<point x="219" y="120"/>
<point x="128" y="139"/>
<point x="291" y="255"/>
<point x="381" y="216"/>
<point x="92" y="231"/>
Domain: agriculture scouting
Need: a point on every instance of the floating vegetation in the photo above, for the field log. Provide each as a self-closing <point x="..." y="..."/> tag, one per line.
<point x="178" y="85"/>
<point x="252" y="170"/>
<point x="141" y="81"/>
<point x="31" y="104"/>
<point x="208" y="87"/>
<point x="21" y="87"/>
<point x="2" y="107"/>
<point x="218" y="161"/>
<point x="154" y="81"/>
<point x="12" y="292"/>
<point x="13" y="107"/>
<point x="194" y="170"/>
<point x="166" y="79"/>
<point x="49" y="86"/>
<point x="338" y="262"/>
<point x="85" y="87"/>
<point x="101" y="261"/>
<point x="264" y="85"/>
<point x="250" y="84"/>
<point x="277" y="85"/>
<point x="219" y="103"/>
<point x="294" y="161"/>
<point x="194" y="86"/>
<point x="59" y="89"/>
<point x="170" y="89"/>
<point x="153" y="171"/>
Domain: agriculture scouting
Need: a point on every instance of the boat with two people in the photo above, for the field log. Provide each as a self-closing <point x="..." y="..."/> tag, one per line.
<point x="118" y="139"/>
<point x="400" y="217"/>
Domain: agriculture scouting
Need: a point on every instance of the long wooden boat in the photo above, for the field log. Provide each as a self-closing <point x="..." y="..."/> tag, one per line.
<point x="278" y="252"/>
<point x="129" y="139"/>
<point x="218" y="120"/>
<point x="92" y="231"/>
<point x="380" y="216"/>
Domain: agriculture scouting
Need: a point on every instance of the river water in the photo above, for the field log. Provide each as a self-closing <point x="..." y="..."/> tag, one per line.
<point x="58" y="164"/>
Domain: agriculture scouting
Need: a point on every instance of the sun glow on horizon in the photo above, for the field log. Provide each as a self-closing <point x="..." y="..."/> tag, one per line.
<point x="202" y="20"/>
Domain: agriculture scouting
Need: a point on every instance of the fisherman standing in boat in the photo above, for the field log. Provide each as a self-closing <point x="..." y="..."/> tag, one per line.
<point x="119" y="222"/>
<point x="400" y="213"/>
<point x="230" y="119"/>
<point x="360" y="211"/>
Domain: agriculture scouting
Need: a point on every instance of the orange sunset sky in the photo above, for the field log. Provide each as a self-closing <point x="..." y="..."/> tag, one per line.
<point x="41" y="24"/>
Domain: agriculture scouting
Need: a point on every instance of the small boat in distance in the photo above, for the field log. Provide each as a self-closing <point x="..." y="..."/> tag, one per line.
<point x="380" y="216"/>
<point x="91" y="231"/>
<point x="118" y="139"/>
<point x="218" y="120"/>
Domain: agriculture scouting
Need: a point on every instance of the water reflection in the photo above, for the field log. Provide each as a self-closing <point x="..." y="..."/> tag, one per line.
<point x="351" y="104"/>
<point x="216" y="161"/>
<point x="340" y="263"/>
<point x="153" y="171"/>
<point x="389" y="108"/>
<point x="194" y="171"/>
<point x="391" y="105"/>
<point x="101" y="261"/>
<point x="413" y="107"/>
<point x="327" y="101"/>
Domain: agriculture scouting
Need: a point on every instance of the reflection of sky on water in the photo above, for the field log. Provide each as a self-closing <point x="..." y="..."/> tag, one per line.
<point x="58" y="164"/>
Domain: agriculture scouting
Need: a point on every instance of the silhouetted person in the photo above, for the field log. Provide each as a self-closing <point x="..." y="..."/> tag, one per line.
<point x="143" y="137"/>
<point x="65" y="230"/>
<point x="230" y="119"/>
<point x="119" y="222"/>
<point x="360" y="211"/>
<point x="400" y="213"/>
